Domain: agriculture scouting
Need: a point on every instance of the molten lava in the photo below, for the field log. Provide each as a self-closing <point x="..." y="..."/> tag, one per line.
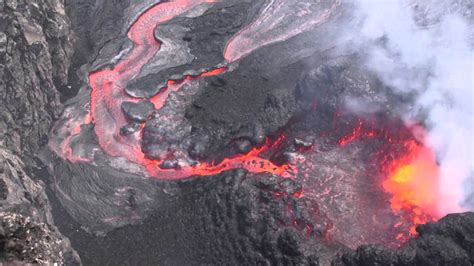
<point x="408" y="170"/>
<point x="108" y="94"/>
<point x="357" y="133"/>
<point x="413" y="184"/>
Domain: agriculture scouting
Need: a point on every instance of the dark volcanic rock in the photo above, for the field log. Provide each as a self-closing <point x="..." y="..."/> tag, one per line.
<point x="240" y="218"/>
<point x="129" y="129"/>
<point x="27" y="232"/>
<point x="95" y="25"/>
<point x="239" y="223"/>
<point x="344" y="84"/>
<point x="36" y="46"/>
<point x="168" y="131"/>
<point x="450" y="241"/>
<point x="259" y="97"/>
<point x="248" y="105"/>
<point x="124" y="198"/>
<point x="235" y="218"/>
<point x="288" y="243"/>
<point x="204" y="37"/>
<point x="137" y="112"/>
<point x="35" y="51"/>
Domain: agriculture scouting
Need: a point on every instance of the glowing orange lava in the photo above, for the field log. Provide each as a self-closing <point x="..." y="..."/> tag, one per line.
<point x="107" y="96"/>
<point x="410" y="174"/>
<point x="413" y="184"/>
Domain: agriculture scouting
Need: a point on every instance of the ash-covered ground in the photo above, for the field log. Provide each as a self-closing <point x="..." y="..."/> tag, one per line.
<point x="242" y="105"/>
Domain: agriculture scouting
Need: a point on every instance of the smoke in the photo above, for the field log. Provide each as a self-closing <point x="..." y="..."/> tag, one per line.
<point x="426" y="49"/>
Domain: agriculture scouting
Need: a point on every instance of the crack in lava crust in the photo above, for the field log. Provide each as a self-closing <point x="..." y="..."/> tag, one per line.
<point x="108" y="94"/>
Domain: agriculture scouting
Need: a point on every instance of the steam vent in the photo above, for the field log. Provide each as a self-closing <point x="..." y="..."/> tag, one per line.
<point x="237" y="132"/>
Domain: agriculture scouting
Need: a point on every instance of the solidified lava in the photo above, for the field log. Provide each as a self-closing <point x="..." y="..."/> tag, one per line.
<point x="303" y="19"/>
<point x="108" y="94"/>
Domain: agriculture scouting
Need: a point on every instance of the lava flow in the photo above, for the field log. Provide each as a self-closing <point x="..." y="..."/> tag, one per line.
<point x="108" y="94"/>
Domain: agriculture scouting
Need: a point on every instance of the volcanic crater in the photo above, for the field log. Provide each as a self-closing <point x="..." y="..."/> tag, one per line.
<point x="219" y="132"/>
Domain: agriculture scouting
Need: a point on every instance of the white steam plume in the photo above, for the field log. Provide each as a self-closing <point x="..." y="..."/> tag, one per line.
<point x="427" y="48"/>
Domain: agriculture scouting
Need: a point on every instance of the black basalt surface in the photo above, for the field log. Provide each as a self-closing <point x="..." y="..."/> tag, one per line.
<point x="233" y="219"/>
<point x="204" y="37"/>
<point x="35" y="52"/>
<point x="447" y="242"/>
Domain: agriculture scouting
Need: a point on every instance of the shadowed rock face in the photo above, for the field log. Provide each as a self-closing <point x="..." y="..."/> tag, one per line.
<point x="35" y="52"/>
<point x="447" y="242"/>
<point x="26" y="241"/>
<point x="27" y="231"/>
